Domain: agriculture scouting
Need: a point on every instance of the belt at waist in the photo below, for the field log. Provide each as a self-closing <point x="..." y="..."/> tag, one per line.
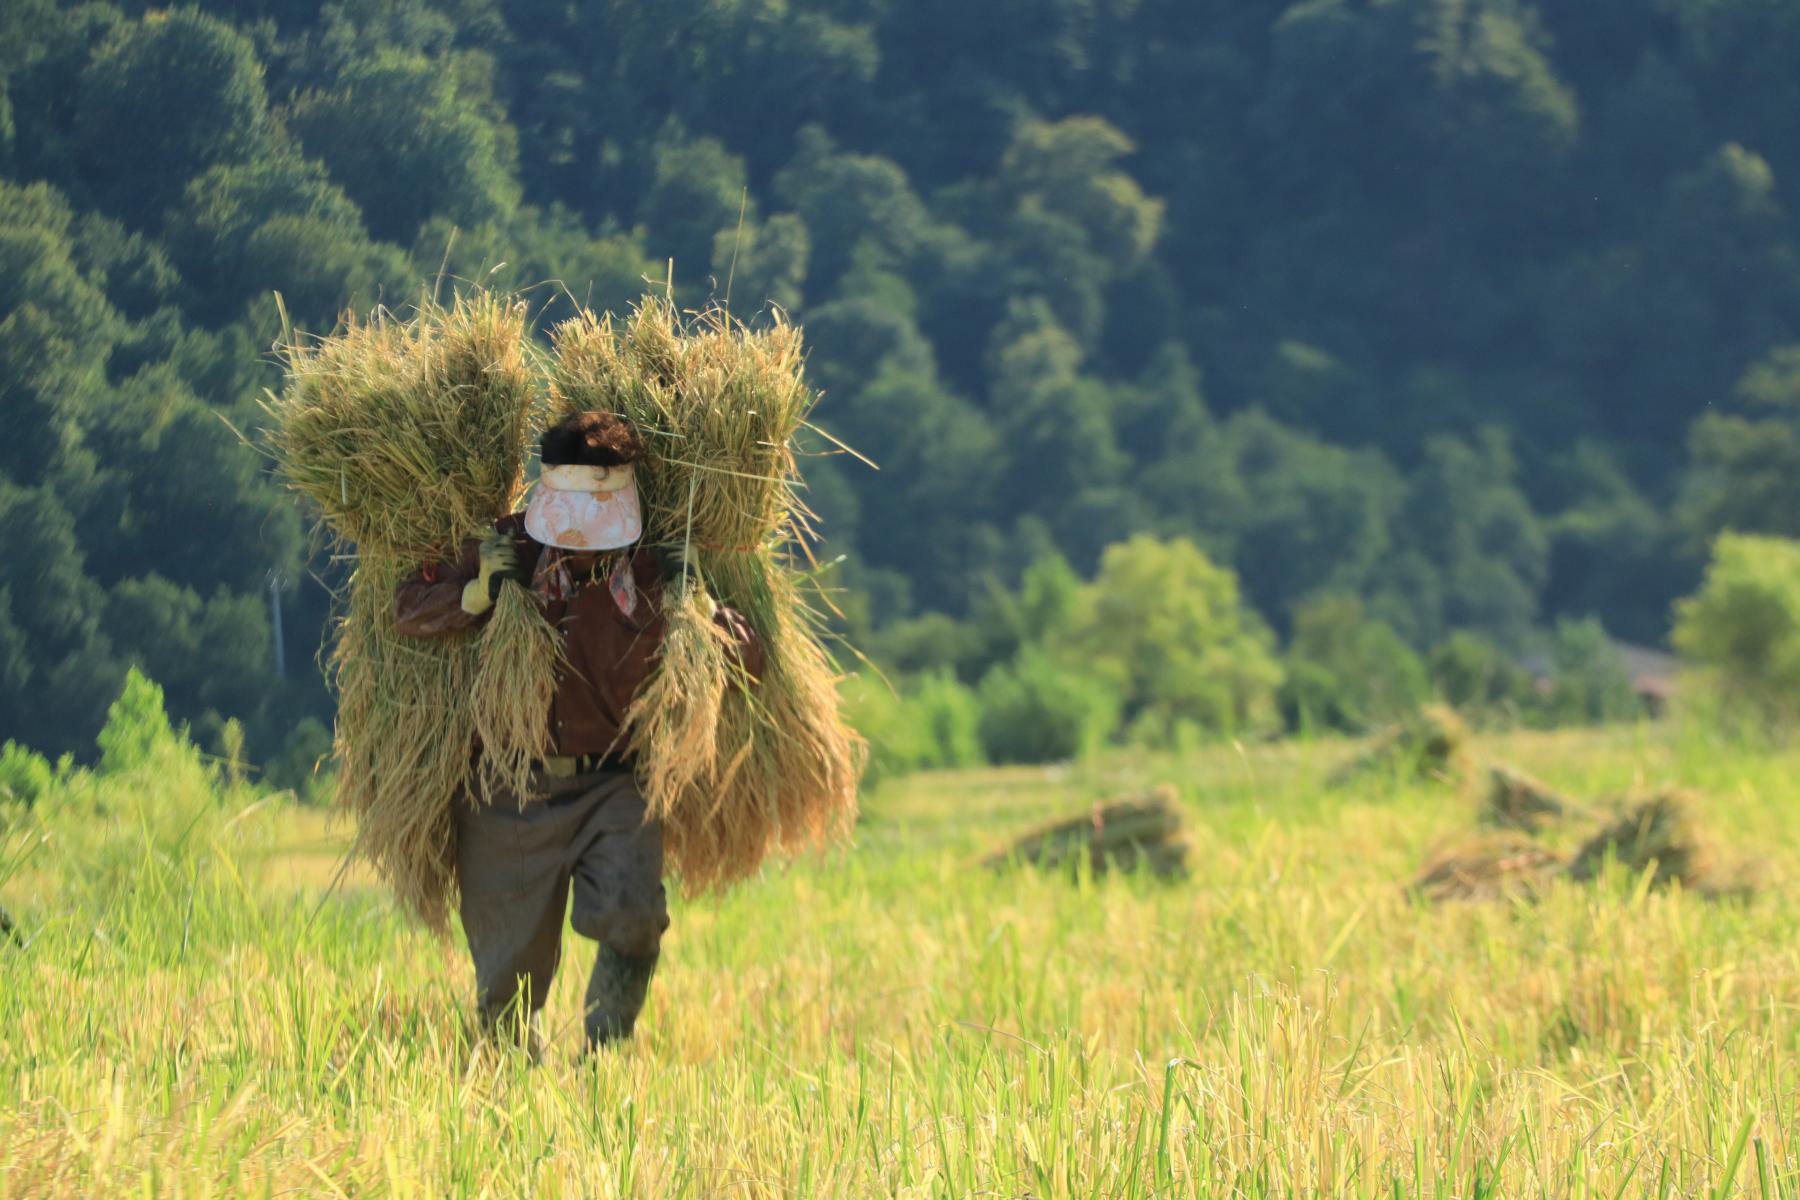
<point x="567" y="766"/>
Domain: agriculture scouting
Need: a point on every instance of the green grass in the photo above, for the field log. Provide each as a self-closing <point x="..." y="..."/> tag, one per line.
<point x="194" y="1016"/>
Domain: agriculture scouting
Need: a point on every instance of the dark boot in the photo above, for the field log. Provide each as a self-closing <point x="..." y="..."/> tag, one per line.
<point x="615" y="994"/>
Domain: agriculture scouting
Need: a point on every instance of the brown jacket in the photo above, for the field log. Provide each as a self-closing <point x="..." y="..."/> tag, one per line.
<point x="607" y="654"/>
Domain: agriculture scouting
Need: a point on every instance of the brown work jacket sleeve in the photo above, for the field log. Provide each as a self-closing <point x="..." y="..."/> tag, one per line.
<point x="429" y="602"/>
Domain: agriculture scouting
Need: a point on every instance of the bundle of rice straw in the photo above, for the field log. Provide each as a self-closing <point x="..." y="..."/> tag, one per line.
<point x="1661" y="834"/>
<point x="1125" y="834"/>
<point x="409" y="436"/>
<point x="732" y="768"/>
<point x="1515" y="800"/>
<point x="1428" y="744"/>
<point x="1492" y="866"/>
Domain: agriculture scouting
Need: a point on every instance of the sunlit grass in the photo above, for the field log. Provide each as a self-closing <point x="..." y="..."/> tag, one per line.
<point x="194" y="1016"/>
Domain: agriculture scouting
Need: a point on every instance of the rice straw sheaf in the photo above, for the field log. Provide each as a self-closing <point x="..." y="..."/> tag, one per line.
<point x="734" y="768"/>
<point x="403" y="740"/>
<point x="409" y="436"/>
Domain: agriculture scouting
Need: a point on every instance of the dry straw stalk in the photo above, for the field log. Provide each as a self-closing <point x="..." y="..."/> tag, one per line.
<point x="734" y="768"/>
<point x="409" y="436"/>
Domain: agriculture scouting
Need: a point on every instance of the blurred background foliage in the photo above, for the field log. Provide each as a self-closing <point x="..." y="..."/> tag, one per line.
<point x="1230" y="366"/>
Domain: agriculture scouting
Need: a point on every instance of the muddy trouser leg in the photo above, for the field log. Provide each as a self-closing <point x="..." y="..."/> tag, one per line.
<point x="620" y="903"/>
<point x="512" y="870"/>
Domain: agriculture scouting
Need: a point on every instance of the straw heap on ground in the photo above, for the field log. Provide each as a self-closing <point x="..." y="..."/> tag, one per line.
<point x="734" y="768"/>
<point x="409" y="437"/>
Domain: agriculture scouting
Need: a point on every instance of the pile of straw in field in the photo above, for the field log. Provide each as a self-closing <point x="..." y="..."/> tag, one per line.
<point x="1514" y="800"/>
<point x="732" y="768"/>
<point x="1428" y="744"/>
<point x="1493" y="866"/>
<point x="1661" y="834"/>
<point x="1658" y="835"/>
<point x="1130" y="833"/>
<point x="408" y="437"/>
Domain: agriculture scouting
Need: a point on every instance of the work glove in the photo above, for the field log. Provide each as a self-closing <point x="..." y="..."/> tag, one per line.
<point x="679" y="570"/>
<point x="499" y="559"/>
<point x="676" y="563"/>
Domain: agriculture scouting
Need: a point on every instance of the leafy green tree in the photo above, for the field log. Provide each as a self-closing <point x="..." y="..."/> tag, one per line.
<point x="935" y="453"/>
<point x="209" y="232"/>
<point x="1745" y="474"/>
<point x="1163" y="409"/>
<point x="1466" y="522"/>
<point x="319" y="272"/>
<point x="134" y="272"/>
<point x="1345" y="670"/>
<point x="25" y="776"/>
<point x="1588" y="681"/>
<point x="763" y="263"/>
<point x="932" y="641"/>
<point x="854" y="339"/>
<point x="1038" y="709"/>
<point x="548" y="254"/>
<point x="137" y="727"/>
<point x="49" y="598"/>
<point x="1612" y="550"/>
<point x="429" y="150"/>
<point x="1743" y="625"/>
<point x="1071" y="169"/>
<point x="1314" y="517"/>
<point x="214" y="654"/>
<point x="698" y="190"/>
<point x="45" y="383"/>
<point x="930" y="723"/>
<point x="171" y="96"/>
<point x="1507" y="121"/>
<point x="1476" y="677"/>
<point x="844" y="199"/>
<point x="1171" y="627"/>
<point x="39" y="267"/>
<point x="174" y="468"/>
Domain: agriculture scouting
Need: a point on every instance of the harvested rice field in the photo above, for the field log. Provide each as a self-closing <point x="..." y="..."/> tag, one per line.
<point x="193" y="1013"/>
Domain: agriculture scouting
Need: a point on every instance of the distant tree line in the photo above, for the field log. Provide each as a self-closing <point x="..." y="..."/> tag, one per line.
<point x="1442" y="320"/>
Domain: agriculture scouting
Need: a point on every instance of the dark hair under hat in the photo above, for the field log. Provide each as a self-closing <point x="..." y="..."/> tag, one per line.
<point x="590" y="439"/>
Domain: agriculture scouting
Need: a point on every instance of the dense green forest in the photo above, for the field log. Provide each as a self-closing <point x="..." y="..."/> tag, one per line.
<point x="1434" y="322"/>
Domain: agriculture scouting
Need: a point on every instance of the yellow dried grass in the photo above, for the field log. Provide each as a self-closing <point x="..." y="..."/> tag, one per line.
<point x="734" y="770"/>
<point x="409" y="436"/>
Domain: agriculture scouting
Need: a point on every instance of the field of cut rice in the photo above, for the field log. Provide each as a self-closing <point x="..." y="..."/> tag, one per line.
<point x="193" y="1013"/>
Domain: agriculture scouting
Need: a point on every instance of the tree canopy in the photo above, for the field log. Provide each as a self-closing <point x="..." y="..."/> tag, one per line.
<point x="1414" y="319"/>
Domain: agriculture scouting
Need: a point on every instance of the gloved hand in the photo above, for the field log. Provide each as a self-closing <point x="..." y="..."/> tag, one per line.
<point x="676" y="563"/>
<point x="499" y="559"/>
<point x="679" y="570"/>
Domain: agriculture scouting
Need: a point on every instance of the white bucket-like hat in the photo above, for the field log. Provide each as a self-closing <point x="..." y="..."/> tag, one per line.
<point x="585" y="508"/>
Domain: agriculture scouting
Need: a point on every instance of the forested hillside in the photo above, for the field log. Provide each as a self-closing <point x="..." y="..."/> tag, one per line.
<point x="1471" y="310"/>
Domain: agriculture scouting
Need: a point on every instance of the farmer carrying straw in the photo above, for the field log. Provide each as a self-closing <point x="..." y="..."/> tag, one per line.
<point x="583" y="827"/>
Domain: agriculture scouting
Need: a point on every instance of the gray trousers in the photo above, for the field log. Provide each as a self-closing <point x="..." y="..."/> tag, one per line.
<point x="584" y="834"/>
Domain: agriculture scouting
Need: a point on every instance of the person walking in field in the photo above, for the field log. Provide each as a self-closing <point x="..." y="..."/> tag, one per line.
<point x="584" y="828"/>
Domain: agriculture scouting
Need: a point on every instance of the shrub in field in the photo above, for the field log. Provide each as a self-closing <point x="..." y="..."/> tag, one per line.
<point x="1476" y="677"/>
<point x="951" y="717"/>
<point x="1036" y="709"/>
<point x="1172" y="628"/>
<point x="1743" y="626"/>
<point x="929" y="722"/>
<point x="1346" y="670"/>
<point x="137" y="727"/>
<point x="25" y="775"/>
